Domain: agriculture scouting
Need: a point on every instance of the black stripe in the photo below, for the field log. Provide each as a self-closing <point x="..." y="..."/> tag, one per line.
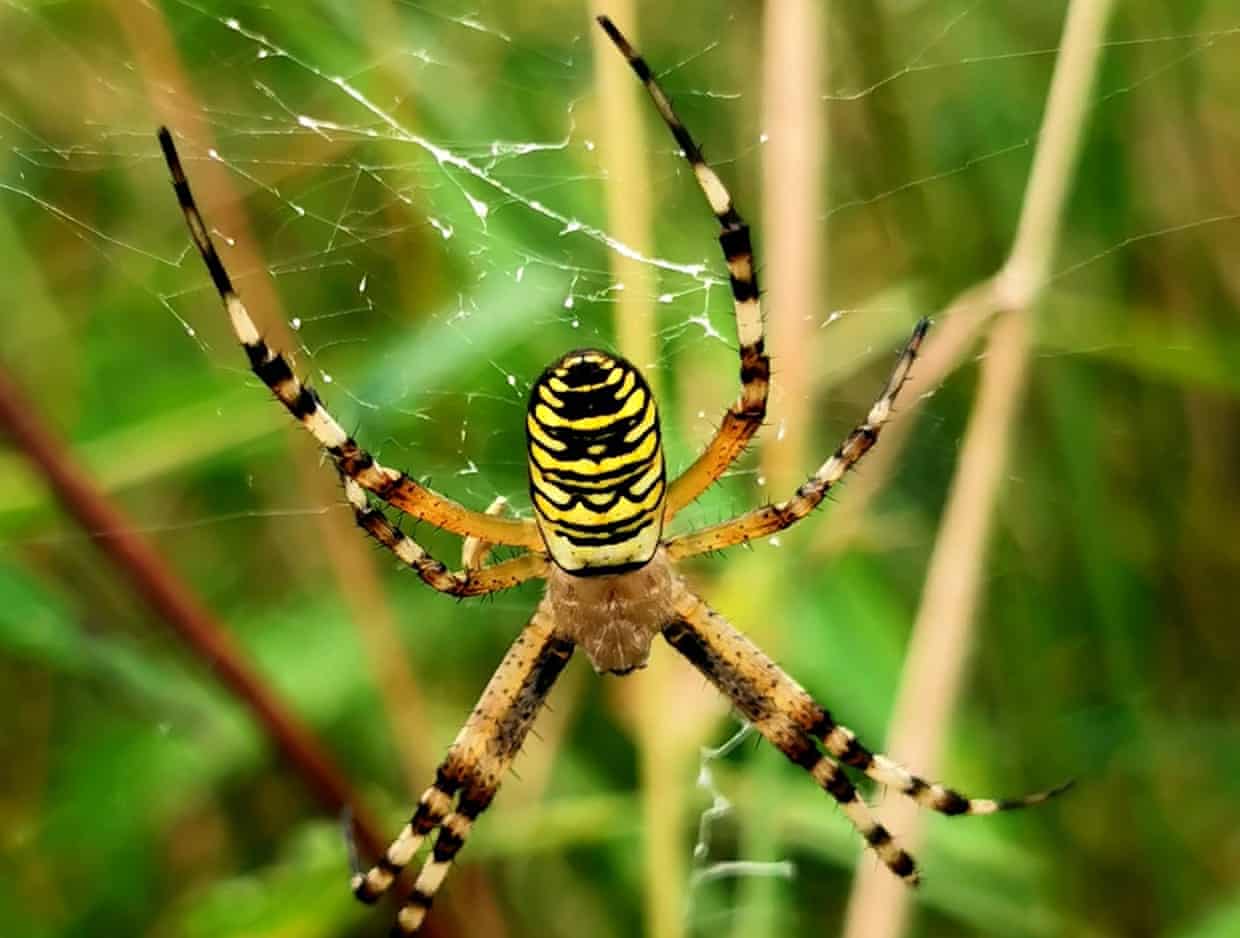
<point x="215" y="266"/>
<point x="642" y="493"/>
<point x="585" y="368"/>
<point x="586" y="541"/>
<point x="447" y="844"/>
<point x="419" y="899"/>
<point x="903" y="865"/>
<point x="687" y="146"/>
<point x="681" y="637"/>
<point x="952" y="802"/>
<point x="614" y="34"/>
<point x="567" y="478"/>
<point x="840" y="788"/>
<point x="474" y="801"/>
<point x="555" y="656"/>
<point x="513" y="725"/>
<point x="170" y="155"/>
<point x="390" y="485"/>
<point x="590" y="386"/>
<point x="877" y="836"/>
<point x="305" y="404"/>
<point x="744" y="290"/>
<point x="270" y="367"/>
<point x="801" y="750"/>
<point x="366" y="517"/>
<point x="185" y="197"/>
<point x="351" y="460"/>
<point x="598" y="402"/>
<point x="752" y="703"/>
<point x="592" y="503"/>
<point x="615" y="486"/>
<point x="580" y="539"/>
<point x="612" y="436"/>
<point x="754" y="361"/>
<point x="856" y="755"/>
<point x="643" y="72"/>
<point x="624" y="479"/>
<point x="580" y="404"/>
<point x="613" y="531"/>
<point x="864" y="436"/>
<point x="821" y="725"/>
<point x="735" y="243"/>
<point x="446" y="781"/>
<point x="611" y="569"/>
<point x="582" y="401"/>
<point x="578" y="449"/>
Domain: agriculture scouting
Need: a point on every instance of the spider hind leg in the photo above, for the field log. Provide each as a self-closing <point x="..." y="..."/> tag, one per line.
<point x="476" y="763"/>
<point x="783" y="712"/>
<point x="433" y="807"/>
<point x="743" y="418"/>
<point x="728" y="673"/>
<point x="842" y="744"/>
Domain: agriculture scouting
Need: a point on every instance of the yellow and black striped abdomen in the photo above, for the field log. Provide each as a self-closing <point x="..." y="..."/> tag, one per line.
<point x="596" y="463"/>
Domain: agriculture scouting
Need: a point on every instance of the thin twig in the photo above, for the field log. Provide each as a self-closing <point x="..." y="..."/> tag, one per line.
<point x="794" y="163"/>
<point x="1017" y="284"/>
<point x="943" y="632"/>
<point x="169" y="598"/>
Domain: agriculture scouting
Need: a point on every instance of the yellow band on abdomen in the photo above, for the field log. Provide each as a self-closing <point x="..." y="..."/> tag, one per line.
<point x="596" y="463"/>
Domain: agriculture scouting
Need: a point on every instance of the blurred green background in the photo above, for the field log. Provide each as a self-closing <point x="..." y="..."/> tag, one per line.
<point x="428" y="276"/>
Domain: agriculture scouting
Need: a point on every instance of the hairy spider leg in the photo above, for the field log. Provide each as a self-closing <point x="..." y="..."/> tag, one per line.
<point x="275" y="371"/>
<point x="473" y="770"/>
<point x="743" y="418"/>
<point x="772" y="518"/>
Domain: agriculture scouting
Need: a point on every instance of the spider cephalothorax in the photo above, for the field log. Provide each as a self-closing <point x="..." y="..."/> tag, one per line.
<point x="600" y="500"/>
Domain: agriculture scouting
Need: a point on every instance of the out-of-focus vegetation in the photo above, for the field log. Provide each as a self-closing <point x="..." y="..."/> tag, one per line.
<point x="429" y="274"/>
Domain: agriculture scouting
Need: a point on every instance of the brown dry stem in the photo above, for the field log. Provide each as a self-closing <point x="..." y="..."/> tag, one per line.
<point x="171" y="599"/>
<point x="944" y="629"/>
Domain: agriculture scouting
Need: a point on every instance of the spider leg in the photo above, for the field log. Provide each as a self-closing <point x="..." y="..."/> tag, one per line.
<point x="472" y="772"/>
<point x="275" y="371"/>
<point x="757" y="687"/>
<point x="788" y="716"/>
<point x="769" y="519"/>
<point x="842" y="743"/>
<point x="744" y="417"/>
<point x="474" y="551"/>
<point x="475" y="580"/>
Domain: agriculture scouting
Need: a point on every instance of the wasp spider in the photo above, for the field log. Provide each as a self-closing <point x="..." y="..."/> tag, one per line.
<point x="601" y="500"/>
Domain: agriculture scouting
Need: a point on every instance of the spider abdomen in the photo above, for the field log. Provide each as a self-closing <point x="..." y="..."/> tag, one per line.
<point x="596" y="464"/>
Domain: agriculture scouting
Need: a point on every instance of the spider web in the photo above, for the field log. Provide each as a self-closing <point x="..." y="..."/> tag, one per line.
<point x="356" y="173"/>
<point x="421" y="203"/>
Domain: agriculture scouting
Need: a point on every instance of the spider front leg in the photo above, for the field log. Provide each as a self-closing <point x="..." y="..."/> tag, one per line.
<point x="474" y="550"/>
<point x="475" y="580"/>
<point x="743" y="418"/>
<point x="477" y="761"/>
<point x="769" y="519"/>
<point x="275" y="371"/>
<point x="782" y="711"/>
